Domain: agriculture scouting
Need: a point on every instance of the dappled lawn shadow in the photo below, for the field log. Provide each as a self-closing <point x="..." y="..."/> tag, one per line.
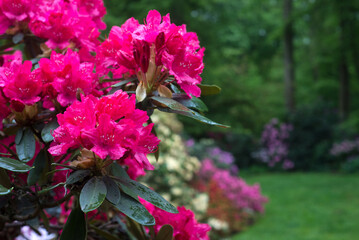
<point x="307" y="206"/>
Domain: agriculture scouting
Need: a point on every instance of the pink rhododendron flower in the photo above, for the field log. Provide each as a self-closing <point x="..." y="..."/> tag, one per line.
<point x="110" y="126"/>
<point x="107" y="138"/>
<point x="153" y="51"/>
<point x="66" y="75"/>
<point x="4" y="110"/>
<point x="93" y="8"/>
<point x="184" y="223"/>
<point x="6" y="59"/>
<point x="20" y="83"/>
<point x="5" y="23"/>
<point x="62" y="22"/>
<point x="17" y="10"/>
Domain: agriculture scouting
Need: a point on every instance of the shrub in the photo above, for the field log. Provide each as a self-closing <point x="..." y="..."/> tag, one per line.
<point x="312" y="137"/>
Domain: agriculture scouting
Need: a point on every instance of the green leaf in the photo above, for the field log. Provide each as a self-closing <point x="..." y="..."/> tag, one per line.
<point x="165" y="233"/>
<point x="170" y="103"/>
<point x="123" y="82"/>
<point x="13" y="165"/>
<point x="135" y="210"/>
<point x="195" y="103"/>
<point x="46" y="131"/>
<point x="4" y="190"/>
<point x="4" y="178"/>
<point x="26" y="147"/>
<point x="176" y="107"/>
<point x="92" y="194"/>
<point x="113" y="192"/>
<point x="104" y="234"/>
<point x="77" y="176"/>
<point x="149" y="195"/>
<point x="110" y="74"/>
<point x="19" y="134"/>
<point x="118" y="171"/>
<point x="207" y="90"/>
<point x="17" y="38"/>
<point x="48" y="189"/>
<point x="75" y="227"/>
<point x="39" y="166"/>
<point x="132" y="187"/>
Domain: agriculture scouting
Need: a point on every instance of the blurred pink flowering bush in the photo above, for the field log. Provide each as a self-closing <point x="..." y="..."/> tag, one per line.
<point x="230" y="194"/>
<point x="275" y="145"/>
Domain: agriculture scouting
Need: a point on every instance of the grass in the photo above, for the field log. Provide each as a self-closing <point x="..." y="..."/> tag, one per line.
<point x="307" y="206"/>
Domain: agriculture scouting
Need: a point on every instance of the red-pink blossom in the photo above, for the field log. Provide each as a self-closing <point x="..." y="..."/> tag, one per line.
<point x="184" y="223"/>
<point x="153" y="49"/>
<point x="94" y="9"/>
<point x="20" y="83"/>
<point x="17" y="10"/>
<point x="66" y="75"/>
<point x="62" y="22"/>
<point x="110" y="127"/>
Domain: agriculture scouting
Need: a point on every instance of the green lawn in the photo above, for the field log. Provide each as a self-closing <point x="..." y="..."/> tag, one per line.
<point x="305" y="206"/>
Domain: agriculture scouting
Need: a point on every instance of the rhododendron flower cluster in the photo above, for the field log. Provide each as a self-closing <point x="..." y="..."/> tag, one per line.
<point x="154" y="51"/>
<point x="59" y="21"/>
<point x="185" y="226"/>
<point x="110" y="127"/>
<point x="63" y="75"/>
<point x="57" y="80"/>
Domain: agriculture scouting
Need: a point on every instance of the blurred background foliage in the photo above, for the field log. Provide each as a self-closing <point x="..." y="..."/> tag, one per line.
<point x="247" y="55"/>
<point x="293" y="62"/>
<point x="244" y="52"/>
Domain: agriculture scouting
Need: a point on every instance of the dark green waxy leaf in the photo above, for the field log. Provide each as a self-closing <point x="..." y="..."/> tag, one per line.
<point x="113" y="191"/>
<point x="110" y="74"/>
<point x="134" y="188"/>
<point x="135" y="210"/>
<point x="195" y="103"/>
<point x="77" y="176"/>
<point x="165" y="233"/>
<point x="13" y="165"/>
<point x="119" y="172"/>
<point x="26" y="147"/>
<point x="170" y="103"/>
<point x="4" y="190"/>
<point x="136" y="229"/>
<point x="207" y="90"/>
<point x="119" y="85"/>
<point x="175" y="89"/>
<point x="47" y="130"/>
<point x="4" y="179"/>
<point x="75" y="227"/>
<point x="149" y="195"/>
<point x="175" y="107"/>
<point x="48" y="189"/>
<point x="17" y="38"/>
<point x="106" y="235"/>
<point x="122" y="83"/>
<point x="19" y="134"/>
<point x="39" y="166"/>
<point x="92" y="194"/>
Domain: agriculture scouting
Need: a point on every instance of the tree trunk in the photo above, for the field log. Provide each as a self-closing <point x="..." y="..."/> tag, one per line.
<point x="288" y="56"/>
<point x="344" y="92"/>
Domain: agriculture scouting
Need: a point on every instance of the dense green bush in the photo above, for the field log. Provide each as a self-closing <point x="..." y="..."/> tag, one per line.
<point x="312" y="136"/>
